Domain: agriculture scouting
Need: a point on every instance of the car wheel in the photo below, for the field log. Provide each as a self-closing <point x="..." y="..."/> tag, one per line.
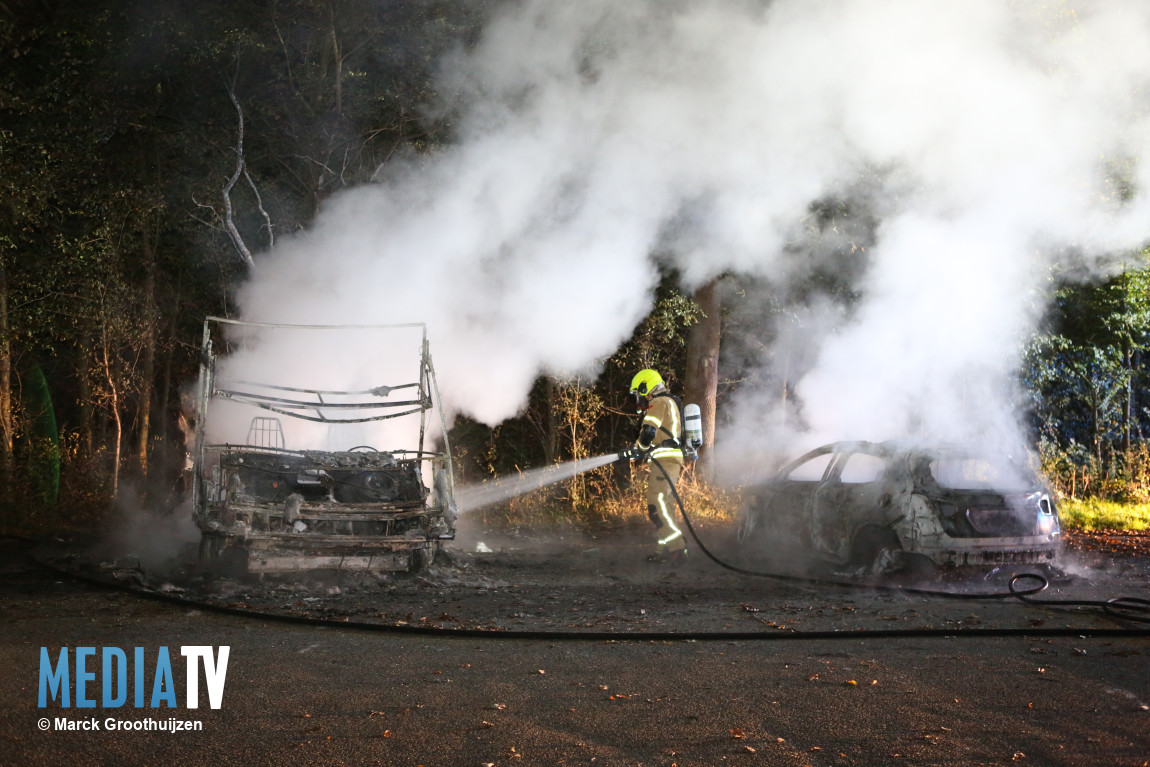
<point x="748" y="526"/>
<point x="232" y="562"/>
<point x="209" y="553"/>
<point x="420" y="559"/>
<point x="918" y="567"/>
<point x="877" y="550"/>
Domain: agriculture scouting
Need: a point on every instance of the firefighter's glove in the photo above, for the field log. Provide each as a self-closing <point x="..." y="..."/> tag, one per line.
<point x="633" y="454"/>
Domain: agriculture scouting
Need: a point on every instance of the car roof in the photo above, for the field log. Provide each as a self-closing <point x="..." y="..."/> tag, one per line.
<point x="888" y="449"/>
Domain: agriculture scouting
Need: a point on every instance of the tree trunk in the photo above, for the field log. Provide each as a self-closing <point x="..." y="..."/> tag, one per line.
<point x="114" y="404"/>
<point x="1128" y="410"/>
<point x="86" y="426"/>
<point x="551" y="438"/>
<point x="6" y="416"/>
<point x="164" y="406"/>
<point x="147" y="356"/>
<point x="337" y="56"/>
<point x="702" y="384"/>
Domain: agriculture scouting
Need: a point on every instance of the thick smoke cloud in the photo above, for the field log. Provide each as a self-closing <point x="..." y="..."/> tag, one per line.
<point x="986" y="140"/>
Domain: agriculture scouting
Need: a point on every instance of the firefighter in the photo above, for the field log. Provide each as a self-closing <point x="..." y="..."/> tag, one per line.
<point x="660" y="441"/>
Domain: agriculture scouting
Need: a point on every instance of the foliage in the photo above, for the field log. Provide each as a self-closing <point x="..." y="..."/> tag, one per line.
<point x="1078" y="474"/>
<point x="612" y="506"/>
<point x="41" y="444"/>
<point x="1096" y="514"/>
<point x="1087" y="382"/>
<point x="117" y="136"/>
<point x="578" y="408"/>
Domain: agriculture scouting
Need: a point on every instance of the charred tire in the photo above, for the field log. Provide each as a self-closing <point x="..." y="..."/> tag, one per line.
<point x="749" y="526"/>
<point x="209" y="553"/>
<point x="918" y="567"/>
<point x="440" y="555"/>
<point x="233" y="562"/>
<point x="212" y="549"/>
<point x="421" y="558"/>
<point x="217" y="559"/>
<point x="877" y="549"/>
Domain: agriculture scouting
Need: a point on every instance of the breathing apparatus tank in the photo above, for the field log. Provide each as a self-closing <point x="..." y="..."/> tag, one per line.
<point x="692" y="431"/>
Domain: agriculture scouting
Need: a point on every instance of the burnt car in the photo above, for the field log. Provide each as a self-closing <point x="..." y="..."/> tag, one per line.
<point x="886" y="507"/>
<point x="280" y="483"/>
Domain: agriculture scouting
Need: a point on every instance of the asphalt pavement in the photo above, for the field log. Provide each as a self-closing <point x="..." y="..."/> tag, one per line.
<point x="302" y="695"/>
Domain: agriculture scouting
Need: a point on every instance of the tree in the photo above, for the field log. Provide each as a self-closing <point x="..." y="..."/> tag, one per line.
<point x="116" y="118"/>
<point x="7" y="421"/>
<point x="578" y="408"/>
<point x="1084" y="374"/>
<point x="701" y="382"/>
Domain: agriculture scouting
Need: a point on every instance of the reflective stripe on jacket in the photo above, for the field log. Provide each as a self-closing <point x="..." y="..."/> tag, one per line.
<point x="663" y="415"/>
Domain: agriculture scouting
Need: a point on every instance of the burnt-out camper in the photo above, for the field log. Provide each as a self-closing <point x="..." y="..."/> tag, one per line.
<point x="290" y="475"/>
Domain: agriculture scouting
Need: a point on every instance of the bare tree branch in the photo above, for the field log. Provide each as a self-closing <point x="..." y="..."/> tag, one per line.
<point x="260" y="206"/>
<point x="229" y="220"/>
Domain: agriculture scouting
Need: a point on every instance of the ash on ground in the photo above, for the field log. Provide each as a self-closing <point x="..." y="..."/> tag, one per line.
<point x="577" y="581"/>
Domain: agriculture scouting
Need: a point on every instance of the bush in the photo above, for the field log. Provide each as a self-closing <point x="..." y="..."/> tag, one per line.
<point x="1095" y="514"/>
<point x="1077" y="473"/>
<point x="598" y="499"/>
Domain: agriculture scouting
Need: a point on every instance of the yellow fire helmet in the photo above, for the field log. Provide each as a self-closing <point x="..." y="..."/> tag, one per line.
<point x="644" y="381"/>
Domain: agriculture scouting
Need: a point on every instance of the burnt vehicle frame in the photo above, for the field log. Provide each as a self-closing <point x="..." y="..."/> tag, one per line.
<point x="263" y="508"/>
<point x="887" y="507"/>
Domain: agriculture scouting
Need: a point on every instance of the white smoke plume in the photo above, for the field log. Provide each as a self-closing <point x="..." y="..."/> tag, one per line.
<point x="988" y="135"/>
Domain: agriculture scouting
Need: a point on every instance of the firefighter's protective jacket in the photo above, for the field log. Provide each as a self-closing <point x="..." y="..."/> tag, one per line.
<point x="664" y="418"/>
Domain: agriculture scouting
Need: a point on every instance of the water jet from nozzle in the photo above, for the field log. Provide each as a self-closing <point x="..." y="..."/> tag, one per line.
<point x="498" y="490"/>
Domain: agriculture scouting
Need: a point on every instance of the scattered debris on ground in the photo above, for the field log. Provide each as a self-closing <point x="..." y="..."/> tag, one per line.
<point x="579" y="582"/>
